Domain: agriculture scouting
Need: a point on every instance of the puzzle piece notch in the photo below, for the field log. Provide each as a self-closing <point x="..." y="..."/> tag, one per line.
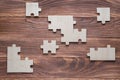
<point x="106" y="54"/>
<point x="49" y="46"/>
<point x="32" y="8"/>
<point x="65" y="24"/>
<point x="74" y="36"/>
<point x="104" y="14"/>
<point x="15" y="64"/>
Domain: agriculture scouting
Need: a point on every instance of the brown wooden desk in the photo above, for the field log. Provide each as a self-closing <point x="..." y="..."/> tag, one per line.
<point x="71" y="62"/>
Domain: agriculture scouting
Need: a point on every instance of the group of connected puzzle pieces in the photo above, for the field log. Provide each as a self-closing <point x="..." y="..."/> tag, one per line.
<point x="66" y="25"/>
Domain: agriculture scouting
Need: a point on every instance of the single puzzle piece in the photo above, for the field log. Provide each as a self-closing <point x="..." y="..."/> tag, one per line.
<point x="32" y="8"/>
<point x="74" y="36"/>
<point x="106" y="54"/>
<point x="15" y="64"/>
<point x="49" y="46"/>
<point x="65" y="24"/>
<point x="61" y="22"/>
<point x="104" y="14"/>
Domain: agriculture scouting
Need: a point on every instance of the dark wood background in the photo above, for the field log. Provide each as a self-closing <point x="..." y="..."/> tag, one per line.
<point x="71" y="62"/>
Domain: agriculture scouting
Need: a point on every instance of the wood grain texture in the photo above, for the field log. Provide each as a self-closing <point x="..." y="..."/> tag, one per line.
<point x="71" y="62"/>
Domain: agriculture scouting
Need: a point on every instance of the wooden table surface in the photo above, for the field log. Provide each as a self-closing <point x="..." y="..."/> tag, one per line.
<point x="71" y="62"/>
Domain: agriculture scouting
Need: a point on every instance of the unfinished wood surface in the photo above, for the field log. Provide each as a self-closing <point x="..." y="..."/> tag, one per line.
<point x="70" y="62"/>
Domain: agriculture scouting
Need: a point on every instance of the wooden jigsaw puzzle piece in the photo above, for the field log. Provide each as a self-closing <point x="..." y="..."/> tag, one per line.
<point x="106" y="54"/>
<point x="32" y="8"/>
<point x="74" y="36"/>
<point x="104" y="14"/>
<point x="15" y="64"/>
<point x="49" y="46"/>
<point x="61" y="22"/>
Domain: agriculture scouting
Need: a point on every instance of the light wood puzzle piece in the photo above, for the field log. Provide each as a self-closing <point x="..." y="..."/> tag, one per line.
<point x="65" y="24"/>
<point x="104" y="14"/>
<point x="49" y="46"/>
<point x="61" y="22"/>
<point x="32" y="8"/>
<point x="74" y="36"/>
<point x="15" y="64"/>
<point x="106" y="54"/>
